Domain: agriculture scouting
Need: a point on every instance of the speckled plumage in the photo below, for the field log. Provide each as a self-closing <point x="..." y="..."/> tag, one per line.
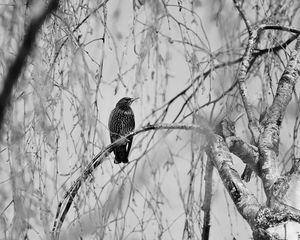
<point x="121" y="122"/>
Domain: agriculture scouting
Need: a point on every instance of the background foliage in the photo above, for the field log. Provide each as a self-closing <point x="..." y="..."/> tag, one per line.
<point x="180" y="58"/>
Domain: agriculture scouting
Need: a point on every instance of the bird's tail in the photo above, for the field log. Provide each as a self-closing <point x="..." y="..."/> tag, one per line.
<point x="121" y="154"/>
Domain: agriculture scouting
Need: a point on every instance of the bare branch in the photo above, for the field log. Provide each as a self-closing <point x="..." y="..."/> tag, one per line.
<point x="275" y="48"/>
<point x="65" y="204"/>
<point x="241" y="77"/>
<point x="207" y="200"/>
<point x="188" y="230"/>
<point x="78" y="26"/>
<point x="281" y="28"/>
<point x="245" y="151"/>
<point x="245" y="202"/>
<point x="253" y="124"/>
<point x="269" y="139"/>
<point x="259" y="217"/>
<point x="243" y="16"/>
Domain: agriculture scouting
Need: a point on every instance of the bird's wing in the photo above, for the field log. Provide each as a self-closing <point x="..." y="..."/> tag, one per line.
<point x="112" y="126"/>
<point x="132" y="126"/>
<point x="121" y="154"/>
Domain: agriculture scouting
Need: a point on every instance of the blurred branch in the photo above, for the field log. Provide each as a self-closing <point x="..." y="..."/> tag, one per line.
<point x="78" y="26"/>
<point x="19" y="63"/>
<point x="188" y="230"/>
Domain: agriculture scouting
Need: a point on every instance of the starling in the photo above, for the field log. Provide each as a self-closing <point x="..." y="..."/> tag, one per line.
<point x="121" y="122"/>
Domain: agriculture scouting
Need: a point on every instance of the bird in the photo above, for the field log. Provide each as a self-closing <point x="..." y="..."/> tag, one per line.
<point x="121" y="122"/>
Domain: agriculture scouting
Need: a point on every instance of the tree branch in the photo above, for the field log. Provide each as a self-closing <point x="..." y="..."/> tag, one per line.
<point x="259" y="217"/>
<point x="253" y="123"/>
<point x="65" y="204"/>
<point x="26" y="48"/>
<point x="245" y="151"/>
<point x="78" y="26"/>
<point x="269" y="139"/>
<point x="207" y="199"/>
<point x="245" y="202"/>
<point x="281" y="28"/>
<point x="243" y="16"/>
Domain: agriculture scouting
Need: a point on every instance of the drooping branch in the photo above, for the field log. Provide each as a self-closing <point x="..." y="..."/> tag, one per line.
<point x="65" y="204"/>
<point x="78" y="26"/>
<point x="19" y="63"/>
<point x="188" y="229"/>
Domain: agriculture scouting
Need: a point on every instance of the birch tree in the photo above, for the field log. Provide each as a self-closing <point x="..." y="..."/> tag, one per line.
<point x="216" y="146"/>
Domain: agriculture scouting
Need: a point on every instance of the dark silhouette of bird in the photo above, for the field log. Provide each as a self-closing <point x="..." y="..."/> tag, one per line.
<point x="121" y="122"/>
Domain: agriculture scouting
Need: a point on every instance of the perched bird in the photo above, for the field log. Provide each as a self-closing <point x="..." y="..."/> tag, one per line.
<point x="121" y="122"/>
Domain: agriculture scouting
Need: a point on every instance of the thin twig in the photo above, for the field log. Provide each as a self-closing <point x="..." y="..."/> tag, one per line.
<point x="243" y="16"/>
<point x="242" y="73"/>
<point x="77" y="27"/>
<point x="65" y="204"/>
<point x="281" y="28"/>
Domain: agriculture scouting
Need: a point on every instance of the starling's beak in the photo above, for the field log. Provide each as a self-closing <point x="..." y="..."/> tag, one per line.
<point x="133" y="99"/>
